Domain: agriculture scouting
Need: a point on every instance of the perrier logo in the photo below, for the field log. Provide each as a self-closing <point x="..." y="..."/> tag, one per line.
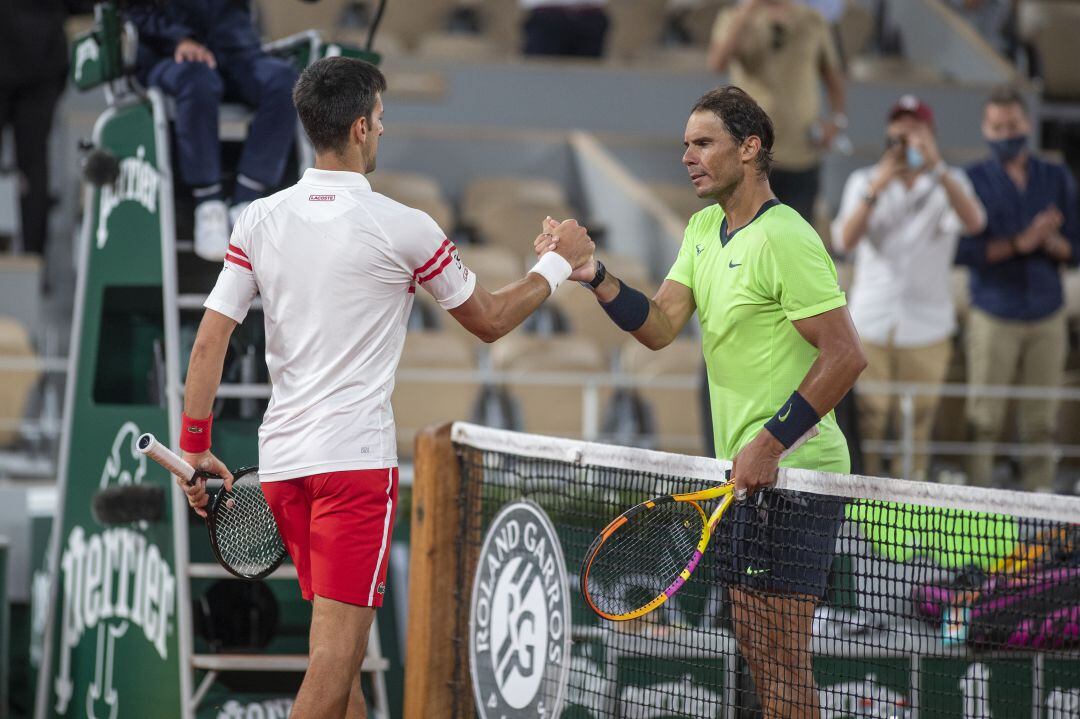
<point x="115" y="584"/>
<point x="138" y="181"/>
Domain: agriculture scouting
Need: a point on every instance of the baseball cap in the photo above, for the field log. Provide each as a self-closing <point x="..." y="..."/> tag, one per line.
<point x="911" y="105"/>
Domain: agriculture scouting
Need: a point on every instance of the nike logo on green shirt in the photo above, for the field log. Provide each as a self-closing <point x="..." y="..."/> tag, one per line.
<point x="733" y="265"/>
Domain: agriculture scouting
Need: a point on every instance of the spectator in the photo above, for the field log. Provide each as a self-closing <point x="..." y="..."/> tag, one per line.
<point x="573" y="28"/>
<point x="33" y="71"/>
<point x="902" y="217"/>
<point x="1017" y="331"/>
<point x="199" y="51"/>
<point x="778" y="50"/>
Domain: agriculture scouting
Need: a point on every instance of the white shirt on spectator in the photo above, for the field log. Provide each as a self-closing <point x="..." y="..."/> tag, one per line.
<point x="337" y="266"/>
<point x="901" y="293"/>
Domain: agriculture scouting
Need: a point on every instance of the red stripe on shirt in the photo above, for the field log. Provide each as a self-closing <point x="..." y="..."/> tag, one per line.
<point x="237" y="251"/>
<point x="438" y="253"/>
<point x="412" y="290"/>
<point x="437" y="271"/>
<point x="238" y="261"/>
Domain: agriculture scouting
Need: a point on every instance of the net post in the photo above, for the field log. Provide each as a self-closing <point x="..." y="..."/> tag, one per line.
<point x="435" y="580"/>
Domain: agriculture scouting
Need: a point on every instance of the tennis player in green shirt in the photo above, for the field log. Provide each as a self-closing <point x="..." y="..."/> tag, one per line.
<point x="781" y="351"/>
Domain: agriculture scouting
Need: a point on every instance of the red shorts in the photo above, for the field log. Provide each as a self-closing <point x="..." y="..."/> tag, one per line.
<point x="336" y="527"/>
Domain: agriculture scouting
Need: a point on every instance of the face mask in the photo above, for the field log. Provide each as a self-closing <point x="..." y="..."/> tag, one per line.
<point x="914" y="158"/>
<point x="1009" y="148"/>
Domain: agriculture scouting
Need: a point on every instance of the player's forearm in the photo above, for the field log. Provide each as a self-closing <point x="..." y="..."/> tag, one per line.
<point x="205" y="366"/>
<point x="514" y="303"/>
<point x="832" y="375"/>
<point x="657" y="331"/>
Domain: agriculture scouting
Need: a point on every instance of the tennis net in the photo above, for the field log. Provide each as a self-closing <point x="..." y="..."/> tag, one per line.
<point x="935" y="600"/>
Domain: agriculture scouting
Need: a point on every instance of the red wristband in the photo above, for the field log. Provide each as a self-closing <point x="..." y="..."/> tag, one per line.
<point x="195" y="434"/>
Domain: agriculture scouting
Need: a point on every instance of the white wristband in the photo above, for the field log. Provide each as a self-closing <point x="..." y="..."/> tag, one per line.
<point x="554" y="268"/>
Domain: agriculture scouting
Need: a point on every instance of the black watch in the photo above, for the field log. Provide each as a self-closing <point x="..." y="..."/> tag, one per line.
<point x="600" y="276"/>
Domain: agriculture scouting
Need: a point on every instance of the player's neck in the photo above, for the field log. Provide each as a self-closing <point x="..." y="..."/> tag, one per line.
<point x="348" y="162"/>
<point x="744" y="202"/>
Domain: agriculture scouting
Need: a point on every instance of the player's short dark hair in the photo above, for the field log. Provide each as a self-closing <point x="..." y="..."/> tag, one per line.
<point x="742" y="117"/>
<point x="331" y="95"/>
<point x="1005" y="95"/>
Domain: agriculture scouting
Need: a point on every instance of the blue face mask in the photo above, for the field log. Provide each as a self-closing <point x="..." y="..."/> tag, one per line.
<point x="1009" y="148"/>
<point x="914" y="158"/>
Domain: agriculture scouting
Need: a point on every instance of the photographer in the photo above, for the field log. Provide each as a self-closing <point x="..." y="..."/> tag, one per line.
<point x="903" y="217"/>
<point x="199" y="52"/>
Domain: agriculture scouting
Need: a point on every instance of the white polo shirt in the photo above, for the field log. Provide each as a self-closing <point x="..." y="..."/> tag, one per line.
<point x="337" y="266"/>
<point x="902" y="291"/>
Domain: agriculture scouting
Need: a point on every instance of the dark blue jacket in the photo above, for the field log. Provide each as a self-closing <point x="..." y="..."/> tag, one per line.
<point x="1026" y="287"/>
<point x="224" y="26"/>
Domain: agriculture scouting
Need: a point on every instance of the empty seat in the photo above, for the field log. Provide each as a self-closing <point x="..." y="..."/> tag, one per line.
<point x="676" y="411"/>
<point x="410" y="21"/>
<point x="15" y="384"/>
<point x="416" y="190"/>
<point x="501" y="21"/>
<point x="550" y="408"/>
<point x="458" y="46"/>
<point x="421" y="399"/>
<point x="281" y="19"/>
<point x="495" y="267"/>
<point x="515" y="225"/>
<point x="487" y="192"/>
<point x="636" y="27"/>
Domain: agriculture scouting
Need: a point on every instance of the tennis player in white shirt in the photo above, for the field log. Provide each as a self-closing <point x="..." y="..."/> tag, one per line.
<point x="337" y="266"/>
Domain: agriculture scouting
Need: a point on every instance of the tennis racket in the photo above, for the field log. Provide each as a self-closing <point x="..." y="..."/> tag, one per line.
<point x="646" y="554"/>
<point x="243" y="534"/>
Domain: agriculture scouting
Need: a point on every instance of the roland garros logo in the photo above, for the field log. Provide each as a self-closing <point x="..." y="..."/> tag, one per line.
<point x="519" y="619"/>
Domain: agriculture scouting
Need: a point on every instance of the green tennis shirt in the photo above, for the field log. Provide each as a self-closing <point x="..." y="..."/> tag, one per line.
<point x="750" y="286"/>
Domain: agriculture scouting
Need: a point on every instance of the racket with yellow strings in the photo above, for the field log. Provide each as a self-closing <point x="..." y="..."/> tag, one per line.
<point x="646" y="554"/>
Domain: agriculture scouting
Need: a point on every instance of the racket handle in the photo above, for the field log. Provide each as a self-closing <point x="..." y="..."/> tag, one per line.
<point x="148" y="445"/>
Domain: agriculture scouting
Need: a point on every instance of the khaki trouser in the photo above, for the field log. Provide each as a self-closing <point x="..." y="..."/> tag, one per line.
<point x="926" y="364"/>
<point x="1006" y="352"/>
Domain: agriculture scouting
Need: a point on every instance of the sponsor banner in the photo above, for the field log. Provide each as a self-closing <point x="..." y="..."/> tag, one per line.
<point x="519" y="620"/>
<point x="975" y="689"/>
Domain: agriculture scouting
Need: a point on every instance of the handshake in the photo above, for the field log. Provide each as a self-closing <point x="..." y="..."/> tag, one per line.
<point x="570" y="241"/>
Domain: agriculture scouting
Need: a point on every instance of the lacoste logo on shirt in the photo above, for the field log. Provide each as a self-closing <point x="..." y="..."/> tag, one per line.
<point x="733" y="265"/>
<point x="700" y="248"/>
<point x="321" y="198"/>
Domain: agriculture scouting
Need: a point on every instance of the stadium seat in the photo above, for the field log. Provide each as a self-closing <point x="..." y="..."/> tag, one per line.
<point x="495" y="267"/>
<point x="281" y="19"/>
<point x="501" y="21"/>
<point x="410" y="21"/>
<point x="515" y="225"/>
<point x="486" y="192"/>
<point x="418" y="404"/>
<point x="1050" y="28"/>
<point x="699" y="20"/>
<point x="676" y="413"/>
<point x="636" y="27"/>
<point x="549" y="409"/>
<point x="416" y="190"/>
<point x="458" y="46"/>
<point x="15" y="384"/>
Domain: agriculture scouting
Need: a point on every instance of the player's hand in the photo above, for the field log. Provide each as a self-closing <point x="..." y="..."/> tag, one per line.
<point x="188" y="50"/>
<point x="572" y="242"/>
<point x="196" y="493"/>
<point x="757" y="464"/>
<point x="548" y="241"/>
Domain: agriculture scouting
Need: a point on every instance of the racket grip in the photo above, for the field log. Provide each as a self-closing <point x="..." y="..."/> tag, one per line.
<point x="147" y="444"/>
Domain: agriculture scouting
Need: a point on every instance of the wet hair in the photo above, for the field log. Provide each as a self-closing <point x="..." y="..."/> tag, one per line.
<point x="742" y="118"/>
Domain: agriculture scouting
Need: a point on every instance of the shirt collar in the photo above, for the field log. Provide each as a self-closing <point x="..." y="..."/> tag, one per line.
<point x="335" y="178"/>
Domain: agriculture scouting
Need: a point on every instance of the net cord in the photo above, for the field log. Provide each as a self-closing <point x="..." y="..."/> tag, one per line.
<point x="1053" y="507"/>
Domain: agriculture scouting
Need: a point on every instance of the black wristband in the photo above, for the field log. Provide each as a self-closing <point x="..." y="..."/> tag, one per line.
<point x="629" y="309"/>
<point x="793" y="420"/>
<point x="598" y="278"/>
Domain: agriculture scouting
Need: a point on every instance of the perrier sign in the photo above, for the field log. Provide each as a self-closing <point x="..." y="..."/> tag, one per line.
<point x="112" y="640"/>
